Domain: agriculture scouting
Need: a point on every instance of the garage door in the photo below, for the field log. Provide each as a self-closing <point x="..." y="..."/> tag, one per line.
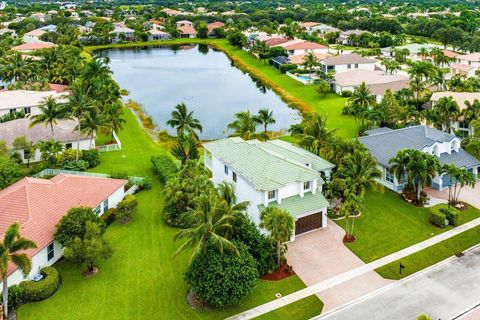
<point x="311" y="222"/>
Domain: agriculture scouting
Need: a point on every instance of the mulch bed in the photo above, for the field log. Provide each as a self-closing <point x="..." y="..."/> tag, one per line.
<point x="88" y="273"/>
<point x="348" y="239"/>
<point x="283" y="272"/>
<point x="196" y="303"/>
<point x="465" y="206"/>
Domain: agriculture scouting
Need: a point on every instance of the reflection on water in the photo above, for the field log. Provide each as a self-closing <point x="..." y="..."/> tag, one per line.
<point x="203" y="78"/>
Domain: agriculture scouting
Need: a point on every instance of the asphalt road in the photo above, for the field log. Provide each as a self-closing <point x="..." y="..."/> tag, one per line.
<point x="442" y="292"/>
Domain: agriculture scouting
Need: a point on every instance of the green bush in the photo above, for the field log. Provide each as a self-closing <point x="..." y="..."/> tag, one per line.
<point x="80" y="165"/>
<point x="16" y="296"/>
<point x="452" y="215"/>
<point x="438" y="219"/>
<point x="145" y="184"/>
<point x="109" y="216"/>
<point x="287" y="67"/>
<point x="164" y="167"/>
<point x="346" y="93"/>
<point x="67" y="156"/>
<point x="222" y="279"/>
<point x="118" y="175"/>
<point x="126" y="208"/>
<point x="43" y="289"/>
<point x="73" y="224"/>
<point x="92" y="157"/>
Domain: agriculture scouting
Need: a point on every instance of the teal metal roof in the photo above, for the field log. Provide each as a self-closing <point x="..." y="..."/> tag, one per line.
<point x="264" y="169"/>
<point x="298" y="206"/>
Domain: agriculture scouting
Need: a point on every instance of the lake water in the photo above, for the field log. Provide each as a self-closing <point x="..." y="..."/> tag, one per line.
<point x="204" y="79"/>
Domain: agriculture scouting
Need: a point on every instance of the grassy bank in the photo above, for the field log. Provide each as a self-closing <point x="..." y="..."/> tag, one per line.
<point x="141" y="280"/>
<point x="292" y="92"/>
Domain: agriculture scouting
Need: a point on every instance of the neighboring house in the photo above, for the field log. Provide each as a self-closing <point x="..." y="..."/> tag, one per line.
<point x="299" y="46"/>
<point x="187" y="32"/>
<point x="343" y="38"/>
<point x="24" y="100"/>
<point x="156" y="34"/>
<point x="184" y="23"/>
<point x="467" y="65"/>
<point x="172" y="12"/>
<point x="29" y="47"/>
<point x="384" y="144"/>
<point x="316" y="27"/>
<point x="212" y="26"/>
<point x="64" y="133"/>
<point x="34" y="35"/>
<point x="121" y="33"/>
<point x="459" y="97"/>
<point x="298" y="58"/>
<point x="347" y="62"/>
<point x="377" y="81"/>
<point x="12" y="33"/>
<point x="272" y="173"/>
<point x="413" y="49"/>
<point x="39" y="204"/>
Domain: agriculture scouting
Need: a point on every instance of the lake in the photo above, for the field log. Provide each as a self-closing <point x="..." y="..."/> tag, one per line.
<point x="204" y="79"/>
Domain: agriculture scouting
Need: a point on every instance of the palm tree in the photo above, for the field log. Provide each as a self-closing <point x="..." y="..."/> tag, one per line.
<point x="97" y="68"/>
<point x="11" y="250"/>
<point x="226" y="191"/>
<point x="312" y="133"/>
<point x="183" y="121"/>
<point x="309" y="61"/>
<point x="458" y="178"/>
<point x="79" y="103"/>
<point x="244" y="125"/>
<point x="360" y="102"/>
<point x="92" y="122"/>
<point x="350" y="209"/>
<point x="49" y="149"/>
<point x="447" y="110"/>
<point x="113" y="117"/>
<point x="186" y="148"/>
<point x="50" y="112"/>
<point x="209" y="226"/>
<point x="472" y="112"/>
<point x="417" y="87"/>
<point x="264" y="117"/>
<point x="280" y="225"/>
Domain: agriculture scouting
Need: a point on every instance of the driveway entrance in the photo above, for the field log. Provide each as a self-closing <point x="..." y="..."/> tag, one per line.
<point x="468" y="194"/>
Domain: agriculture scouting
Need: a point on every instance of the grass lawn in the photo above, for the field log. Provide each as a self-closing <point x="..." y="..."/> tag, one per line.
<point x="140" y="280"/>
<point x="291" y="91"/>
<point x="389" y="224"/>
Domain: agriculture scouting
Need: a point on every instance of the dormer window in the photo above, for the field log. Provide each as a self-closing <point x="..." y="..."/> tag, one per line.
<point x="306" y="185"/>
<point x="272" y="195"/>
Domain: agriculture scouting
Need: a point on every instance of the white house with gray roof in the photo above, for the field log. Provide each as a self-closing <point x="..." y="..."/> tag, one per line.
<point x="272" y="173"/>
<point x="384" y="144"/>
<point x="347" y="62"/>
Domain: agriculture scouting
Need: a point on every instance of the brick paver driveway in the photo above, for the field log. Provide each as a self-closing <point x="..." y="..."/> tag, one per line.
<point x="468" y="194"/>
<point x="319" y="255"/>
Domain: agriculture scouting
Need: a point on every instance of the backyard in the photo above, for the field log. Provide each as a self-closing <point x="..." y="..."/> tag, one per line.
<point x="141" y="280"/>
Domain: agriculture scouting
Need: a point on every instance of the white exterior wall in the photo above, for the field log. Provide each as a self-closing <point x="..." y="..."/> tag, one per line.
<point x="40" y="260"/>
<point x="33" y="110"/>
<point x="364" y="66"/>
<point x="301" y="51"/>
<point x="84" y="145"/>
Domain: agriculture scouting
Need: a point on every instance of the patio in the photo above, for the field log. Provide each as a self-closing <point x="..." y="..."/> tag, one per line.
<point x="468" y="194"/>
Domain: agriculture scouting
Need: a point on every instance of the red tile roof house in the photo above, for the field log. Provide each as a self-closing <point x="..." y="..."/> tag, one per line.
<point x="39" y="204"/>
<point x="212" y="26"/>
<point x="467" y="64"/>
<point x="187" y="32"/>
<point x="298" y="46"/>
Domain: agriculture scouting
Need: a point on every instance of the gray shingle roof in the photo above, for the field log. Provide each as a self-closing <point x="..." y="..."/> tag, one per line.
<point x="384" y="145"/>
<point x="461" y="159"/>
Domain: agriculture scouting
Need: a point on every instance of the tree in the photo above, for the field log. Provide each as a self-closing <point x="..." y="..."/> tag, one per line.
<point x="226" y="192"/>
<point x="324" y="88"/>
<point x="202" y="29"/>
<point x="359" y="103"/>
<point x="93" y="121"/>
<point x="418" y="167"/>
<point x="391" y="111"/>
<point x="88" y="249"/>
<point x="50" y="112"/>
<point x="447" y="110"/>
<point x="280" y="225"/>
<point x="458" y="178"/>
<point x="183" y="121"/>
<point x="244" y="125"/>
<point x="417" y="87"/>
<point x="73" y="224"/>
<point x="209" y="227"/>
<point x="126" y="208"/>
<point x="49" y="150"/>
<point x="28" y="147"/>
<point x="472" y="112"/>
<point x="79" y="103"/>
<point x="449" y="36"/>
<point x="12" y="251"/>
<point x="186" y="148"/>
<point x="391" y="66"/>
<point x="9" y="172"/>
<point x="264" y="117"/>
<point x="222" y="279"/>
<point x="309" y="61"/>
<point x="312" y="133"/>
<point x="351" y="209"/>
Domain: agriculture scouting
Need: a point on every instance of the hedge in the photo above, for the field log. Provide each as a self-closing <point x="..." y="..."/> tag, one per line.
<point x="452" y="215"/>
<point x="287" y="67"/>
<point x="164" y="167"/>
<point x="43" y="289"/>
<point x="109" y="216"/>
<point x="438" y="219"/>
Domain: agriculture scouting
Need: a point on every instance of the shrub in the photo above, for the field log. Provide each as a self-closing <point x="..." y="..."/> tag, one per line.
<point x="118" y="175"/>
<point x="222" y="279"/>
<point x="346" y="93"/>
<point x="109" y="216"/>
<point x="452" y="215"/>
<point x="92" y="157"/>
<point x="164" y="167"/>
<point x="126" y="208"/>
<point x="67" y="156"/>
<point x="145" y="184"/>
<point x="287" y="67"/>
<point x="16" y="296"/>
<point x="258" y="245"/>
<point x="80" y="165"/>
<point x="43" y="289"/>
<point x="438" y="219"/>
<point x="73" y="224"/>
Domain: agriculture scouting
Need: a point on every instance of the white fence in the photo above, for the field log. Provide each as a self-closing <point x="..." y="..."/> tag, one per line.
<point x="111" y="147"/>
<point x="53" y="172"/>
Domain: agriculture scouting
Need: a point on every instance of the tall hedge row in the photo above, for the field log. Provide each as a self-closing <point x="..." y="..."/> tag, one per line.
<point x="164" y="167"/>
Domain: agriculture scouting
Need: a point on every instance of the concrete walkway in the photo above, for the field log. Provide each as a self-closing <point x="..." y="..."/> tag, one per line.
<point x="444" y="291"/>
<point x="354" y="273"/>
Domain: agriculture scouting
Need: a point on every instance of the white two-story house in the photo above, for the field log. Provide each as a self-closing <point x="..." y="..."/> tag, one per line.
<point x="272" y="173"/>
<point x="384" y="144"/>
<point x="347" y="62"/>
<point x="467" y="65"/>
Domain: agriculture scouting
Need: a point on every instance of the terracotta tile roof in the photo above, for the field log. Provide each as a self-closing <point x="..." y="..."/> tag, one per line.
<point x="298" y="58"/>
<point x="39" y="204"/>
<point x="187" y="30"/>
<point x="307" y="45"/>
<point x="474" y="56"/>
<point x="214" y="25"/>
<point x="275" y="41"/>
<point x="33" y="46"/>
<point x="459" y="97"/>
<point x="461" y="67"/>
<point x="309" y="24"/>
<point x="59" y="88"/>
<point x="450" y="54"/>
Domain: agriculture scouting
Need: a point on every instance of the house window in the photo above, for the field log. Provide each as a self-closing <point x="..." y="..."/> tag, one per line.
<point x="225" y="169"/>
<point x="50" y="251"/>
<point x="356" y="65"/>
<point x="97" y="209"/>
<point x="105" y="205"/>
<point x="26" y="154"/>
<point x="68" y="146"/>
<point x="12" y="111"/>
<point x="306" y="185"/>
<point x="27" y="110"/>
<point x="349" y="66"/>
<point x="389" y="176"/>
<point x="272" y="195"/>
<point x="234" y="176"/>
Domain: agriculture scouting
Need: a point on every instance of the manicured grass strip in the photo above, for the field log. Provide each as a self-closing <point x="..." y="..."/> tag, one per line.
<point x="300" y="309"/>
<point x="429" y="256"/>
<point x="389" y="224"/>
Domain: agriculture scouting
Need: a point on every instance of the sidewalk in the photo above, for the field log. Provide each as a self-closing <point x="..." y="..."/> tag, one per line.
<point x="354" y="273"/>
